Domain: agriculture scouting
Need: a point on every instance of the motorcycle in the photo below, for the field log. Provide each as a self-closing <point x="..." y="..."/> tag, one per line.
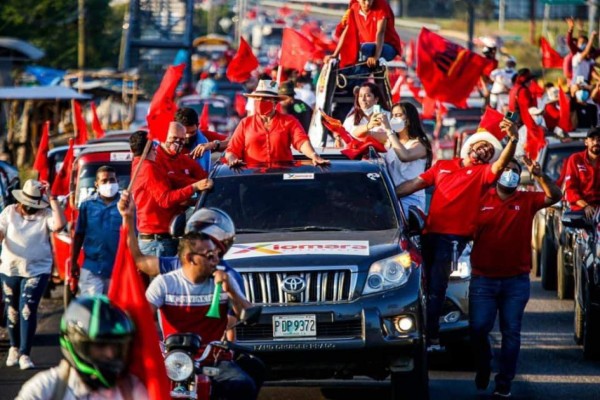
<point x="191" y="377"/>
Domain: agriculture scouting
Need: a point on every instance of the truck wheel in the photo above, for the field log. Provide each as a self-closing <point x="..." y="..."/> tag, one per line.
<point x="412" y="385"/>
<point x="591" y="330"/>
<point x="564" y="283"/>
<point x="548" y="264"/>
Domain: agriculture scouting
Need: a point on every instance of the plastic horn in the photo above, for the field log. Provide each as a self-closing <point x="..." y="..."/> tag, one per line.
<point x="213" y="311"/>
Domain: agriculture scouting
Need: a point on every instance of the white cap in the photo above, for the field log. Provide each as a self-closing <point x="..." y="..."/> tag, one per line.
<point x="488" y="41"/>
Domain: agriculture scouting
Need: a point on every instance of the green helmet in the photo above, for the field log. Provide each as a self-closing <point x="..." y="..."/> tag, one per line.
<point x="94" y="337"/>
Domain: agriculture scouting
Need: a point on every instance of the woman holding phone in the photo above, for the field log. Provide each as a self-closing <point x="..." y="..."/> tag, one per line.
<point x="367" y="116"/>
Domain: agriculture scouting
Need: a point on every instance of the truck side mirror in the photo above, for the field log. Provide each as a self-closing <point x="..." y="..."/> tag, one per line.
<point x="416" y="221"/>
<point x="177" y="227"/>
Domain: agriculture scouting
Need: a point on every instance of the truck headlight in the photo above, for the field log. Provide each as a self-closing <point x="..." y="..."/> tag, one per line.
<point x="179" y="365"/>
<point x="388" y="273"/>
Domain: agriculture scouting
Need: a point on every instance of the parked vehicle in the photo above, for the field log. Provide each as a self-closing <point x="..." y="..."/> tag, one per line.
<point x="221" y="115"/>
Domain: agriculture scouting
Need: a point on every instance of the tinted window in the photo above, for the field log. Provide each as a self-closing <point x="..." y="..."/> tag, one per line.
<point x="340" y="201"/>
<point x="87" y="178"/>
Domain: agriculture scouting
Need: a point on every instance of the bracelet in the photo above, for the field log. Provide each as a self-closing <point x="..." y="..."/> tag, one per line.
<point x="217" y="144"/>
<point x="514" y="140"/>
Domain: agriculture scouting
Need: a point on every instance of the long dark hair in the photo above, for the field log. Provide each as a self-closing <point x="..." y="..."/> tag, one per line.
<point x="358" y="112"/>
<point x="415" y="129"/>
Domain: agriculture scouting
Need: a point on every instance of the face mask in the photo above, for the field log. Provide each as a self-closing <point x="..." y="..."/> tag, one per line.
<point x="397" y="124"/>
<point x="583" y="46"/>
<point x="264" y="107"/>
<point x="29" y="210"/>
<point x="582" y="95"/>
<point x="538" y="119"/>
<point x="368" y="111"/>
<point x="175" y="147"/>
<point x="108" y="190"/>
<point x="509" y="70"/>
<point x="509" y="180"/>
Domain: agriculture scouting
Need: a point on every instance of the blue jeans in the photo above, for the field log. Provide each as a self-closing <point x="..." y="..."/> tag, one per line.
<point x="368" y="50"/>
<point x="508" y="298"/>
<point x="437" y="257"/>
<point x="24" y="295"/>
<point x="158" y="248"/>
<point x="232" y="383"/>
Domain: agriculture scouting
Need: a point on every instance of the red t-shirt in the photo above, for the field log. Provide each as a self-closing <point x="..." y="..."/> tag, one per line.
<point x="582" y="180"/>
<point x="181" y="169"/>
<point x="156" y="199"/>
<point x="502" y="242"/>
<point x="455" y="200"/>
<point x="367" y="24"/>
<point x="253" y="144"/>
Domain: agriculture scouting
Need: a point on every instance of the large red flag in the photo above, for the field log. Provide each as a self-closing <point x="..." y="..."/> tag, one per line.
<point x="162" y="108"/>
<point x="411" y="53"/>
<point x="447" y="71"/>
<point x="60" y="186"/>
<point x="296" y="50"/>
<point x="79" y="122"/>
<point x="243" y="63"/>
<point x="204" y="119"/>
<point x="96" y="125"/>
<point x="354" y="147"/>
<point x="490" y="121"/>
<point x="127" y="291"/>
<point x="41" y="158"/>
<point x="564" y="106"/>
<point x="550" y="57"/>
<point x="351" y="46"/>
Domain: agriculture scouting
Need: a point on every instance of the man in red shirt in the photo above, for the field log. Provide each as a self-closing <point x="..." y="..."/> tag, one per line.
<point x="501" y="262"/>
<point x="157" y="199"/>
<point x="266" y="136"/>
<point x="453" y="210"/>
<point x="582" y="176"/>
<point x="181" y="169"/>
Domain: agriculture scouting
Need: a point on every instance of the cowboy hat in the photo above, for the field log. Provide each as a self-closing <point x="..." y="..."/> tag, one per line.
<point x="482" y="136"/>
<point x="32" y="195"/>
<point x="265" y="88"/>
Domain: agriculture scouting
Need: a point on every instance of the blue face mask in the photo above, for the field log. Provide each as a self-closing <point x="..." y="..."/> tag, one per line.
<point x="509" y="179"/>
<point x="582" y="95"/>
<point x="583" y="46"/>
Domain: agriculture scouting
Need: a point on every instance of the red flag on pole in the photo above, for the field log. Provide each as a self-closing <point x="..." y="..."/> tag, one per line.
<point x="296" y="50"/>
<point x="351" y="46"/>
<point x="354" y="147"/>
<point x="127" y="291"/>
<point x="204" y="120"/>
<point x="239" y="104"/>
<point x="243" y="63"/>
<point x="96" y="125"/>
<point x="564" y="106"/>
<point x="447" y="71"/>
<point x="60" y="186"/>
<point x="41" y="158"/>
<point x="411" y="53"/>
<point x="490" y="121"/>
<point x="79" y="122"/>
<point x="550" y="57"/>
<point x="162" y="108"/>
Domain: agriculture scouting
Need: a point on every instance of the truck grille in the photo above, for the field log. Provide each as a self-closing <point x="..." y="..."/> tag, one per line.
<point x="322" y="285"/>
<point x="325" y="330"/>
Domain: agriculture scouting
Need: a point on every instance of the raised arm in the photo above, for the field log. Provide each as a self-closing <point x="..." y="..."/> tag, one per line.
<point x="550" y="188"/>
<point x="508" y="152"/>
<point x="409" y="187"/>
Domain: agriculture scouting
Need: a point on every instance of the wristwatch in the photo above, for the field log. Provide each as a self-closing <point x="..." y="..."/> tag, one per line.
<point x="217" y="144"/>
<point x="514" y="140"/>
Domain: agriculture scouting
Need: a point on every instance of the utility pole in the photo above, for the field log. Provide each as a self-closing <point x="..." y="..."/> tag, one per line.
<point x="592" y="8"/>
<point x="471" y="18"/>
<point x="501" y="14"/>
<point x="532" y="22"/>
<point x="81" y="41"/>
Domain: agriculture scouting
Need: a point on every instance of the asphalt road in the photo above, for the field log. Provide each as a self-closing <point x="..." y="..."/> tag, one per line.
<point x="551" y="365"/>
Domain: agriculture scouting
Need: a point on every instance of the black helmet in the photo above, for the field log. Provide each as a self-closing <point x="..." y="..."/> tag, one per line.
<point x="214" y="223"/>
<point x="94" y="320"/>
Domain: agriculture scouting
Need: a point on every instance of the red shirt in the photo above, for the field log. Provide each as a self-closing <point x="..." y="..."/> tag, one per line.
<point x="455" y="200"/>
<point x="181" y="169"/>
<point x="367" y="25"/>
<point x="582" y="180"/>
<point x="551" y="115"/>
<point x="521" y="99"/>
<point x="156" y="199"/>
<point x="502" y="241"/>
<point x="252" y="143"/>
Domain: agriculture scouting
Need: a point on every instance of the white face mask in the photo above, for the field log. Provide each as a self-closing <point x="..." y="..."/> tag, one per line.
<point x="509" y="179"/>
<point x="397" y="124"/>
<point x="538" y="119"/>
<point x="108" y="190"/>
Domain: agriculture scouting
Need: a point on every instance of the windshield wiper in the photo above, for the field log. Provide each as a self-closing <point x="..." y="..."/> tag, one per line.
<point x="311" y="228"/>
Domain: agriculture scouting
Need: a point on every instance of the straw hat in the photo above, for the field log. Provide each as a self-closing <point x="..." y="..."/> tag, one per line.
<point x="265" y="88"/>
<point x="32" y="195"/>
<point x="482" y="136"/>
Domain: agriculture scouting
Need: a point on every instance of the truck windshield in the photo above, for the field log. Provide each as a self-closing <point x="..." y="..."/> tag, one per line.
<point x="87" y="177"/>
<point x="305" y="202"/>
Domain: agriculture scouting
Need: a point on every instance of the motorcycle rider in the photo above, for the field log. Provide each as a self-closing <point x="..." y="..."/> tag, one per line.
<point x="95" y="337"/>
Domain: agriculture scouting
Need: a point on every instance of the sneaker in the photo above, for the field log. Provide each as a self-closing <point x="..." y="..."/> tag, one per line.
<point x="502" y="392"/>
<point x="13" y="357"/>
<point x="25" y="362"/>
<point x="482" y="379"/>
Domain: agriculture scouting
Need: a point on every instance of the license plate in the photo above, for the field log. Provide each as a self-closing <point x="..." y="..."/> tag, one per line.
<point x="290" y="326"/>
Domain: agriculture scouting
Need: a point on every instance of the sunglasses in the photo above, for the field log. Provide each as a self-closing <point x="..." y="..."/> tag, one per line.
<point x="209" y="255"/>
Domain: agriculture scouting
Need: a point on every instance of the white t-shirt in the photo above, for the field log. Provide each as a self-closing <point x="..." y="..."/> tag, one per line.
<point x="350" y="127"/>
<point x="26" y="248"/>
<point x="502" y="79"/>
<point x="581" y="67"/>
<point x="401" y="172"/>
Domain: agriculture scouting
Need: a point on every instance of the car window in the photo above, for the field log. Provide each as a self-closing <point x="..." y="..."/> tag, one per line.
<point x="87" y="177"/>
<point x="323" y="201"/>
<point x="555" y="158"/>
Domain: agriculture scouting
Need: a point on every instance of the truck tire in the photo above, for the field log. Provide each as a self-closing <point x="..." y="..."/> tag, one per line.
<point x="591" y="330"/>
<point x="548" y="264"/>
<point x="564" y="284"/>
<point x="412" y="385"/>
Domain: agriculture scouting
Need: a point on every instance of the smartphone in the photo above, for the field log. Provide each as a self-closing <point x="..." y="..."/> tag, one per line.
<point x="376" y="109"/>
<point x="512" y="116"/>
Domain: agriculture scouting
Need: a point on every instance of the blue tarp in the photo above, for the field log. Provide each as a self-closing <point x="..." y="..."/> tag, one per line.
<point x="44" y="75"/>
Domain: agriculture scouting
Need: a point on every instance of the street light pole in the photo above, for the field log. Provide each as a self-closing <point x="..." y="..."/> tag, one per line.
<point x="501" y="14"/>
<point x="80" y="41"/>
<point x="471" y="17"/>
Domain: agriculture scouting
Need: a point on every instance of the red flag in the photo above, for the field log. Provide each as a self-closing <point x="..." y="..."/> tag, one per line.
<point x="243" y="63"/>
<point x="296" y="50"/>
<point x="550" y="57"/>
<point x="351" y="46"/>
<point x="428" y="108"/>
<point x="79" y="122"/>
<point x="60" y="186"/>
<point x="447" y="71"/>
<point x="96" y="125"/>
<point x="41" y="158"/>
<point x="162" y="108"/>
<point x="410" y="53"/>
<point x="354" y="147"/>
<point x="239" y="104"/>
<point x="204" y="120"/>
<point x="127" y="291"/>
<point x="564" y="105"/>
<point x="536" y="89"/>
<point x="490" y="121"/>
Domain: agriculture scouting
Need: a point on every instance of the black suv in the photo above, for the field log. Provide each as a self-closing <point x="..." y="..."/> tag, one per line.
<point x="330" y="256"/>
